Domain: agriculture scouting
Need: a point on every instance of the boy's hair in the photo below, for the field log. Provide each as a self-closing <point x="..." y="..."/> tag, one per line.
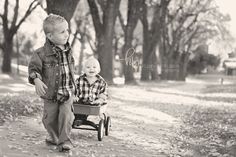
<point x="92" y="59"/>
<point x="51" y="21"/>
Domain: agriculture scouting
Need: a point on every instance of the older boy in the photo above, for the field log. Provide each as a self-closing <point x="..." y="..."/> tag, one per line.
<point x="51" y="71"/>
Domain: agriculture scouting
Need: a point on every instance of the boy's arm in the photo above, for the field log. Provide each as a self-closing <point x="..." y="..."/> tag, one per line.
<point x="104" y="92"/>
<point x="35" y="68"/>
<point x="103" y="95"/>
<point x="35" y="77"/>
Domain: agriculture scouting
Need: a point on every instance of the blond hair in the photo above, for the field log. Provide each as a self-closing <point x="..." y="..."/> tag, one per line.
<point x="93" y="60"/>
<point x="51" y="21"/>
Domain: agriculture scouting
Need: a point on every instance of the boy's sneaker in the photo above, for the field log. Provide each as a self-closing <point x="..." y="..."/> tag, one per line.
<point x="49" y="140"/>
<point x="66" y="146"/>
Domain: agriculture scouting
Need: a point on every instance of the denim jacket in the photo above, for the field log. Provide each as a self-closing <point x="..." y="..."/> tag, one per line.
<point x="45" y="64"/>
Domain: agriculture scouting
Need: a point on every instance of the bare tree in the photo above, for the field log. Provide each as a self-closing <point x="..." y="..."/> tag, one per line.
<point x="11" y="25"/>
<point x="188" y="25"/>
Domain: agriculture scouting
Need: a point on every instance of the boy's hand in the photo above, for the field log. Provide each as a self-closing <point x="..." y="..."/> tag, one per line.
<point x="102" y="96"/>
<point x="40" y="87"/>
<point x="76" y="99"/>
<point x="98" y="101"/>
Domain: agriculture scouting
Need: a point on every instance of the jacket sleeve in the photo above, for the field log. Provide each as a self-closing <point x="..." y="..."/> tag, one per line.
<point x="35" y="68"/>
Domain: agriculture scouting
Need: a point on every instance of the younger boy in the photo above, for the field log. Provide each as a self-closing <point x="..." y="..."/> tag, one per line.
<point x="91" y="87"/>
<point x="51" y="70"/>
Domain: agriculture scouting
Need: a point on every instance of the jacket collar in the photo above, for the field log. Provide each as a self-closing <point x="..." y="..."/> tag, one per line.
<point x="51" y="48"/>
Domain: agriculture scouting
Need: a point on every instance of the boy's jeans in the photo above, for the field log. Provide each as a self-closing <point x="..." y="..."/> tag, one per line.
<point x="58" y="119"/>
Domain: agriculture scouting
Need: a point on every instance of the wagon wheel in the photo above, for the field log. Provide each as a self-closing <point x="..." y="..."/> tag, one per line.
<point x="100" y="130"/>
<point x="107" y="126"/>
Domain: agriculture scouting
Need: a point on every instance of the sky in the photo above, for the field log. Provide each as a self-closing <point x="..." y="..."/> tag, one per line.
<point x="226" y="7"/>
<point x="229" y="6"/>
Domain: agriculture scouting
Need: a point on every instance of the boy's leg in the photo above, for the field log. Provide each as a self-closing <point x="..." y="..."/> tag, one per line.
<point x="65" y="121"/>
<point x="50" y="119"/>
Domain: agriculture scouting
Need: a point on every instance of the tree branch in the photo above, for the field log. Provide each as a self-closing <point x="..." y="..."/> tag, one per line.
<point x="41" y="5"/>
<point x="89" y="39"/>
<point x="95" y="16"/>
<point x="4" y="16"/>
<point x="121" y="19"/>
<point x="92" y="47"/>
<point x="16" y="13"/>
<point x="192" y="35"/>
<point x="173" y="17"/>
<point x="74" y="38"/>
<point x="143" y="17"/>
<point x="27" y="13"/>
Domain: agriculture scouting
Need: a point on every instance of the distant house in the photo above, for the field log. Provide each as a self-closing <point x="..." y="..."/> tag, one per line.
<point x="230" y="66"/>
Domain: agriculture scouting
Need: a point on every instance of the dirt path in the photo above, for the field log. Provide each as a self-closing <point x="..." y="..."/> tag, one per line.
<point x="25" y="137"/>
<point x="144" y="123"/>
<point x="138" y="129"/>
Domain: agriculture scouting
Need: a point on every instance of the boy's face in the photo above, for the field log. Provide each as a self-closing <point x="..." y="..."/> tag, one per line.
<point x="60" y="34"/>
<point x="91" y="69"/>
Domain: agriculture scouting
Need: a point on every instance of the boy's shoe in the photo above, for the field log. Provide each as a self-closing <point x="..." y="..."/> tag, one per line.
<point x="66" y="146"/>
<point x="50" y="141"/>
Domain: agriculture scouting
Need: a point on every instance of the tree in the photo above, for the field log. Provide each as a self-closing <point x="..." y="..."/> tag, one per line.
<point x="104" y="28"/>
<point x="152" y="35"/>
<point x="190" y="24"/>
<point x="11" y="25"/>
<point x="133" y="14"/>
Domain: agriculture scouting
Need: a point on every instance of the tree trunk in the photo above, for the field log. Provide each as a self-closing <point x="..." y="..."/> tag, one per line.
<point x="149" y="65"/>
<point x="152" y="37"/>
<point x="175" y="68"/>
<point x="130" y="64"/>
<point x="154" y="73"/>
<point x="105" y="57"/>
<point x="183" y="66"/>
<point x="64" y="8"/>
<point x="145" y="73"/>
<point x="7" y="52"/>
<point x="10" y="23"/>
<point x="104" y="29"/>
